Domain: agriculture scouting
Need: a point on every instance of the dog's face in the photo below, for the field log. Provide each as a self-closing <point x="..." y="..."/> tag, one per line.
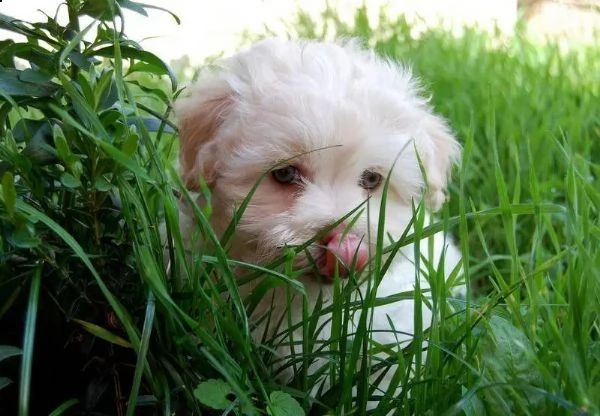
<point x="323" y="125"/>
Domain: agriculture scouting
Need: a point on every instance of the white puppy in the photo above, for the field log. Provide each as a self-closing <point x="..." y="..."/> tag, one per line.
<point x="328" y="122"/>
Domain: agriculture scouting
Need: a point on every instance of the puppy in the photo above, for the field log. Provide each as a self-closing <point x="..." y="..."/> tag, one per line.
<point x="313" y="130"/>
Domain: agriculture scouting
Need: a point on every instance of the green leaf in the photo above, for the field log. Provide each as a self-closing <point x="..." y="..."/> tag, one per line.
<point x="153" y="92"/>
<point x="4" y="166"/>
<point x="471" y="404"/>
<point x="86" y="89"/>
<point x="160" y="68"/>
<point x="25" y="129"/>
<point x="7" y="351"/>
<point x="69" y="180"/>
<point x="127" y="4"/>
<point x="72" y="46"/>
<point x="52" y="26"/>
<point x="11" y="84"/>
<point x="82" y="61"/>
<point x="130" y="145"/>
<point x="9" y="193"/>
<point x="509" y="351"/>
<point x="102" y="184"/>
<point x="60" y="143"/>
<point x="103" y="333"/>
<point x="133" y="6"/>
<point x="10" y="301"/>
<point x="110" y="118"/>
<point x="106" y="90"/>
<point x="38" y="150"/>
<point x="213" y="393"/>
<point x="36" y="55"/>
<point x="12" y="24"/>
<point x="76" y="167"/>
<point x="35" y="76"/>
<point x="24" y="236"/>
<point x="5" y="381"/>
<point x="283" y="404"/>
<point x="7" y="53"/>
<point x="60" y="410"/>
<point x="29" y="340"/>
<point x="141" y="354"/>
<point x="98" y="9"/>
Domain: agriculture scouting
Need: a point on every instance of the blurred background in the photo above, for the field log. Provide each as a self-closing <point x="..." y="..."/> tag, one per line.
<point x="208" y="29"/>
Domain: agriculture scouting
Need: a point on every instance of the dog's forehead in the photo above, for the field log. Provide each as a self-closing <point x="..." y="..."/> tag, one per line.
<point x="324" y="126"/>
<point x="324" y="106"/>
<point x="319" y="132"/>
<point x="321" y="117"/>
<point x="273" y="67"/>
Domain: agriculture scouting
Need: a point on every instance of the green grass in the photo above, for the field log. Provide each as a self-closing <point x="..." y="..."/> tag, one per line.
<point x="85" y="192"/>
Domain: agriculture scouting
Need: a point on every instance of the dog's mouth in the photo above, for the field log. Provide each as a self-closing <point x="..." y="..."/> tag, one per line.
<point x="321" y="262"/>
<point x="337" y="255"/>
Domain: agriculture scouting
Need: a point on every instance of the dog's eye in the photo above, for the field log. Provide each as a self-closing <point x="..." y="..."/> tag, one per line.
<point x="369" y="179"/>
<point x="286" y="175"/>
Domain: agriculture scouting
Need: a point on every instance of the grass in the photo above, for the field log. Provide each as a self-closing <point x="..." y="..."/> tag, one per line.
<point x="84" y="197"/>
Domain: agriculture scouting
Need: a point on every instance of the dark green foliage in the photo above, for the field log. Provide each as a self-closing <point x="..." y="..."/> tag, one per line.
<point x="72" y="137"/>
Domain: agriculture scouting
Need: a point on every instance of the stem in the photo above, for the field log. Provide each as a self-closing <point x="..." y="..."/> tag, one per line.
<point x="73" y="8"/>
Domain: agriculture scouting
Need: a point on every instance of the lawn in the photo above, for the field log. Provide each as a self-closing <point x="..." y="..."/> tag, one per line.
<point x="89" y="321"/>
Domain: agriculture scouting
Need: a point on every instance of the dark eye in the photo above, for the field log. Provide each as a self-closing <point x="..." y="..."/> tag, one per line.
<point x="286" y="175"/>
<point x="369" y="179"/>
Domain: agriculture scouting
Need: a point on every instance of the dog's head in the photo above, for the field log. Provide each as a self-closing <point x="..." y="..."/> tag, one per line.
<point x="327" y="122"/>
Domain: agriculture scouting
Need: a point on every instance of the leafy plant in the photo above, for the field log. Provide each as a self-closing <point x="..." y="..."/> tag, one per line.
<point x="73" y="135"/>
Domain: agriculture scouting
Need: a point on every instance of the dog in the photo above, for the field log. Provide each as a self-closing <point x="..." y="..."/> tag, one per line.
<point x="313" y="131"/>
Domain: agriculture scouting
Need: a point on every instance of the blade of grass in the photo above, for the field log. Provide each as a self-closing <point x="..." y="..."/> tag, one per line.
<point x="141" y="354"/>
<point x="29" y="341"/>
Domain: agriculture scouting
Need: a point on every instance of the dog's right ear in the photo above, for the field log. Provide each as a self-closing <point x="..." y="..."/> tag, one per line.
<point x="199" y="116"/>
<point x="443" y="152"/>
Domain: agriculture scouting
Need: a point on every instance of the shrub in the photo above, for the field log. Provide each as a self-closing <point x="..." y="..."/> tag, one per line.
<point x="85" y="135"/>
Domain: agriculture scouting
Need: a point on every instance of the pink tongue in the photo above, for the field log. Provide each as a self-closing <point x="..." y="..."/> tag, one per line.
<point x="342" y="252"/>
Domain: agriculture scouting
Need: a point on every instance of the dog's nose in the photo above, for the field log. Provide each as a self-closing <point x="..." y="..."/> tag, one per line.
<point x="344" y="250"/>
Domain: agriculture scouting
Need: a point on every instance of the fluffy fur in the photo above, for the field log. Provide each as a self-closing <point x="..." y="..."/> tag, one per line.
<point x="333" y="111"/>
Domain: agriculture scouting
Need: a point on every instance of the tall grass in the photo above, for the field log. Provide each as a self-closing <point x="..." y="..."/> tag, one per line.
<point x="84" y="202"/>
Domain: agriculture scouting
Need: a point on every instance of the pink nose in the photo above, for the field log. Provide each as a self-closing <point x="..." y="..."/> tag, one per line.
<point x="343" y="250"/>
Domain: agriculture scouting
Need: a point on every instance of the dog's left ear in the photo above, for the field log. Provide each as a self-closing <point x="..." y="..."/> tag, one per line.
<point x="200" y="115"/>
<point x="441" y="153"/>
